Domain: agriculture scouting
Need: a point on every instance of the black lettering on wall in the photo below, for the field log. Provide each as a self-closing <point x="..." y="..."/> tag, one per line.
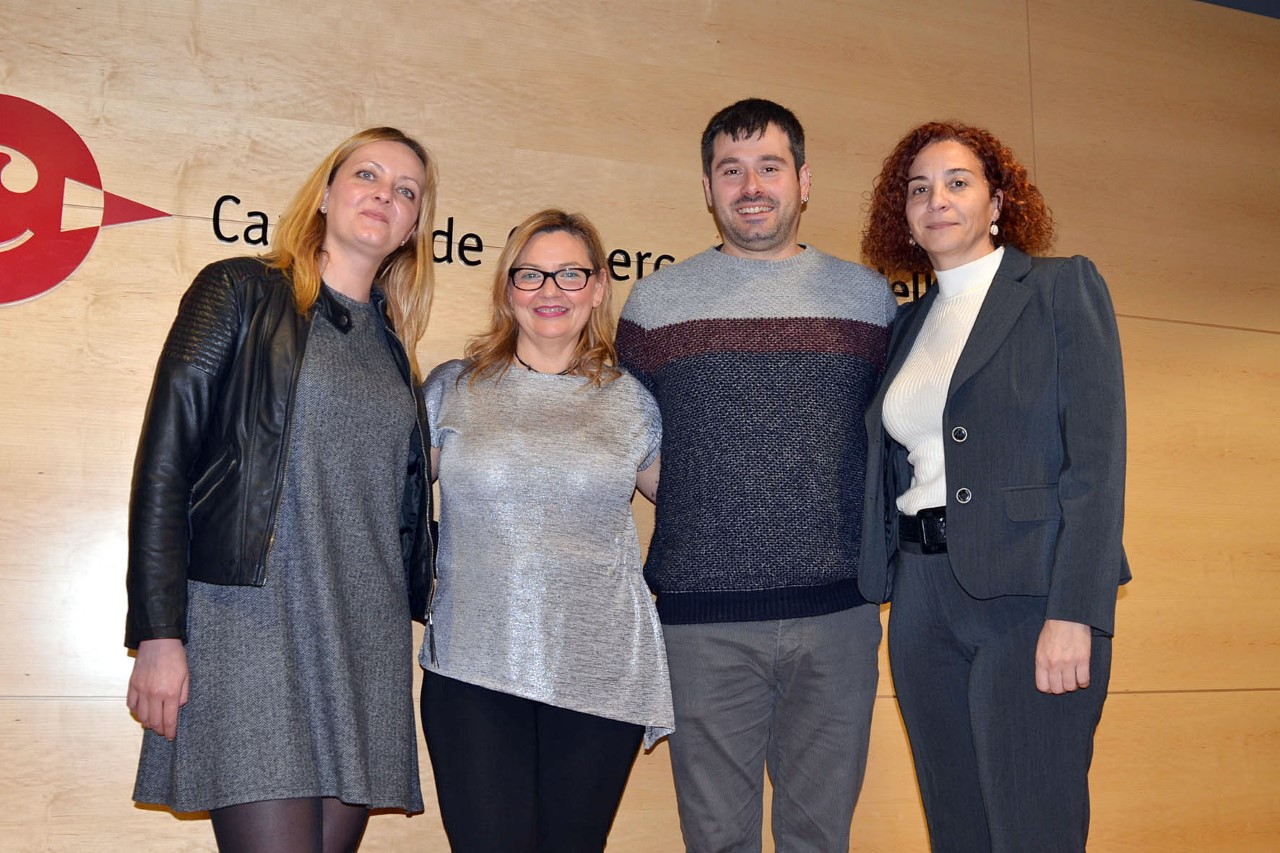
<point x="217" y="219"/>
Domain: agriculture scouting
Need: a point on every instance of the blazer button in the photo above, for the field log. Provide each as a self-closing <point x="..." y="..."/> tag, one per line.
<point x="959" y="434"/>
<point x="963" y="496"/>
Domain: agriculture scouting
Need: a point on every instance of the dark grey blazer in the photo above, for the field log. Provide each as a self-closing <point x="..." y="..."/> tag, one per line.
<point x="1034" y="427"/>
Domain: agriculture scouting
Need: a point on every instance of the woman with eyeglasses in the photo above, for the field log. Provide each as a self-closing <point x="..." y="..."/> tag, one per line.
<point x="545" y="666"/>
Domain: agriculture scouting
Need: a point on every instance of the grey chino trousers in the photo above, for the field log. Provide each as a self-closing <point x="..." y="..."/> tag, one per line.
<point x="792" y="695"/>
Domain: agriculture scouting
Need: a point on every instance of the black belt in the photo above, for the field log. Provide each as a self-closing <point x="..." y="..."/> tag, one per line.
<point x="927" y="530"/>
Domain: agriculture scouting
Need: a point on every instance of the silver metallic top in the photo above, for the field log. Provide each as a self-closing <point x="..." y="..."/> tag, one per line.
<point x="540" y="591"/>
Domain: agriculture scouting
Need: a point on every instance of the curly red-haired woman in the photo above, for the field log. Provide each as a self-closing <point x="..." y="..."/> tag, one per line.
<point x="996" y="464"/>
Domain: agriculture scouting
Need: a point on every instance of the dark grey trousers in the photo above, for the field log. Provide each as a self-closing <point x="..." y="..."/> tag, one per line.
<point x="1002" y="767"/>
<point x="795" y="693"/>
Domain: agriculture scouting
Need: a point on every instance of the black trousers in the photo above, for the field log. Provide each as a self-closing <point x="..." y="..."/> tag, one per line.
<point x="516" y="775"/>
<point x="1001" y="766"/>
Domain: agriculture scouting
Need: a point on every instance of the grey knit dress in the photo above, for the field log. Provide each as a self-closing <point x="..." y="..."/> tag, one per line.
<point x="303" y="687"/>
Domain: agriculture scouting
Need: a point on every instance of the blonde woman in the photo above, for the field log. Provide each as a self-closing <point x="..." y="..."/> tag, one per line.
<point x="278" y="539"/>
<point x="544" y="656"/>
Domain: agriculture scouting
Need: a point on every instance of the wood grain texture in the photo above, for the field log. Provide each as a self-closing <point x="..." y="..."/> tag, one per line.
<point x="1172" y="772"/>
<point x="1201" y="611"/>
<point x="1156" y="129"/>
<point x="1187" y="771"/>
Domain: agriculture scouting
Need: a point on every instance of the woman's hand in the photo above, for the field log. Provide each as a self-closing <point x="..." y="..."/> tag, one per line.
<point x="1062" y="656"/>
<point x="158" y="686"/>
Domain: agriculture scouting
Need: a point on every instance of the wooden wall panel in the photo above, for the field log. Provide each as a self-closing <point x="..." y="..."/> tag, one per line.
<point x="889" y="817"/>
<point x="1151" y="126"/>
<point x="77" y="759"/>
<point x="1182" y="772"/>
<point x="1201" y="612"/>
<point x="1156" y="755"/>
<point x="1156" y="129"/>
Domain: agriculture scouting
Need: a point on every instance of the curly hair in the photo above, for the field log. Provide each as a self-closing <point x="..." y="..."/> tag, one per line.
<point x="1025" y="221"/>
<point x="595" y="356"/>
<point x="406" y="275"/>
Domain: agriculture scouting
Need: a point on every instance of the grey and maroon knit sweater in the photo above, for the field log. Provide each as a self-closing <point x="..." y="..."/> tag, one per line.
<point x="762" y="370"/>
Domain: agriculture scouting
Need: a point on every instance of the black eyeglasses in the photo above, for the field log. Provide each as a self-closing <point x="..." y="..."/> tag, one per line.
<point x="531" y="278"/>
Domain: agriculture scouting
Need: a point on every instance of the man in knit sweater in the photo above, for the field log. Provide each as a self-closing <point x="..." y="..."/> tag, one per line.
<point x="762" y="353"/>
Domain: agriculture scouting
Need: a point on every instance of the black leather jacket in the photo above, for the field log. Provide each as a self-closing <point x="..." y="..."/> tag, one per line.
<point x="210" y="464"/>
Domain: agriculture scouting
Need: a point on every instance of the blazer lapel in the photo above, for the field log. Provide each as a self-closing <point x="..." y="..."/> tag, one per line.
<point x="1007" y="296"/>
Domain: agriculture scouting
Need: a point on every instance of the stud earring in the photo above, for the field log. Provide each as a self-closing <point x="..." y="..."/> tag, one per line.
<point x="995" y="229"/>
<point x="324" y="208"/>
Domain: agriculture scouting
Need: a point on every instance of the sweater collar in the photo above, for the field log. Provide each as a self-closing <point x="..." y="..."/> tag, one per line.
<point x="970" y="276"/>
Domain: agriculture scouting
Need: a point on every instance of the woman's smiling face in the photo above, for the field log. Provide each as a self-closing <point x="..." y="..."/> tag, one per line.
<point x="550" y="313"/>
<point x="950" y="206"/>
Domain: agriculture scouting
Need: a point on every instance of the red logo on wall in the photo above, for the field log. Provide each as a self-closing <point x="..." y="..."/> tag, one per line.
<point x="41" y="158"/>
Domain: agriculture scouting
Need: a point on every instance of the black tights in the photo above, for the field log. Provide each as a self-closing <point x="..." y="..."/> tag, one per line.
<point x="517" y="776"/>
<point x="306" y="825"/>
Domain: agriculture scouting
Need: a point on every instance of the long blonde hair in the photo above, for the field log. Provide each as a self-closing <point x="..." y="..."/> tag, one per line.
<point x="594" y="356"/>
<point x="405" y="276"/>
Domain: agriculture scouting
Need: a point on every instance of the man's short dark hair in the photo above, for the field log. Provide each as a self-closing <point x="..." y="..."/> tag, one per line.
<point x="748" y="118"/>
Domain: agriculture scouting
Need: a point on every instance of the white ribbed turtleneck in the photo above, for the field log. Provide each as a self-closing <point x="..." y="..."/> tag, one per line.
<point x="914" y="402"/>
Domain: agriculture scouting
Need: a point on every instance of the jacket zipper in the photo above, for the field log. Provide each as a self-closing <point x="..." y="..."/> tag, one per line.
<point x="426" y="473"/>
<point x="283" y="468"/>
